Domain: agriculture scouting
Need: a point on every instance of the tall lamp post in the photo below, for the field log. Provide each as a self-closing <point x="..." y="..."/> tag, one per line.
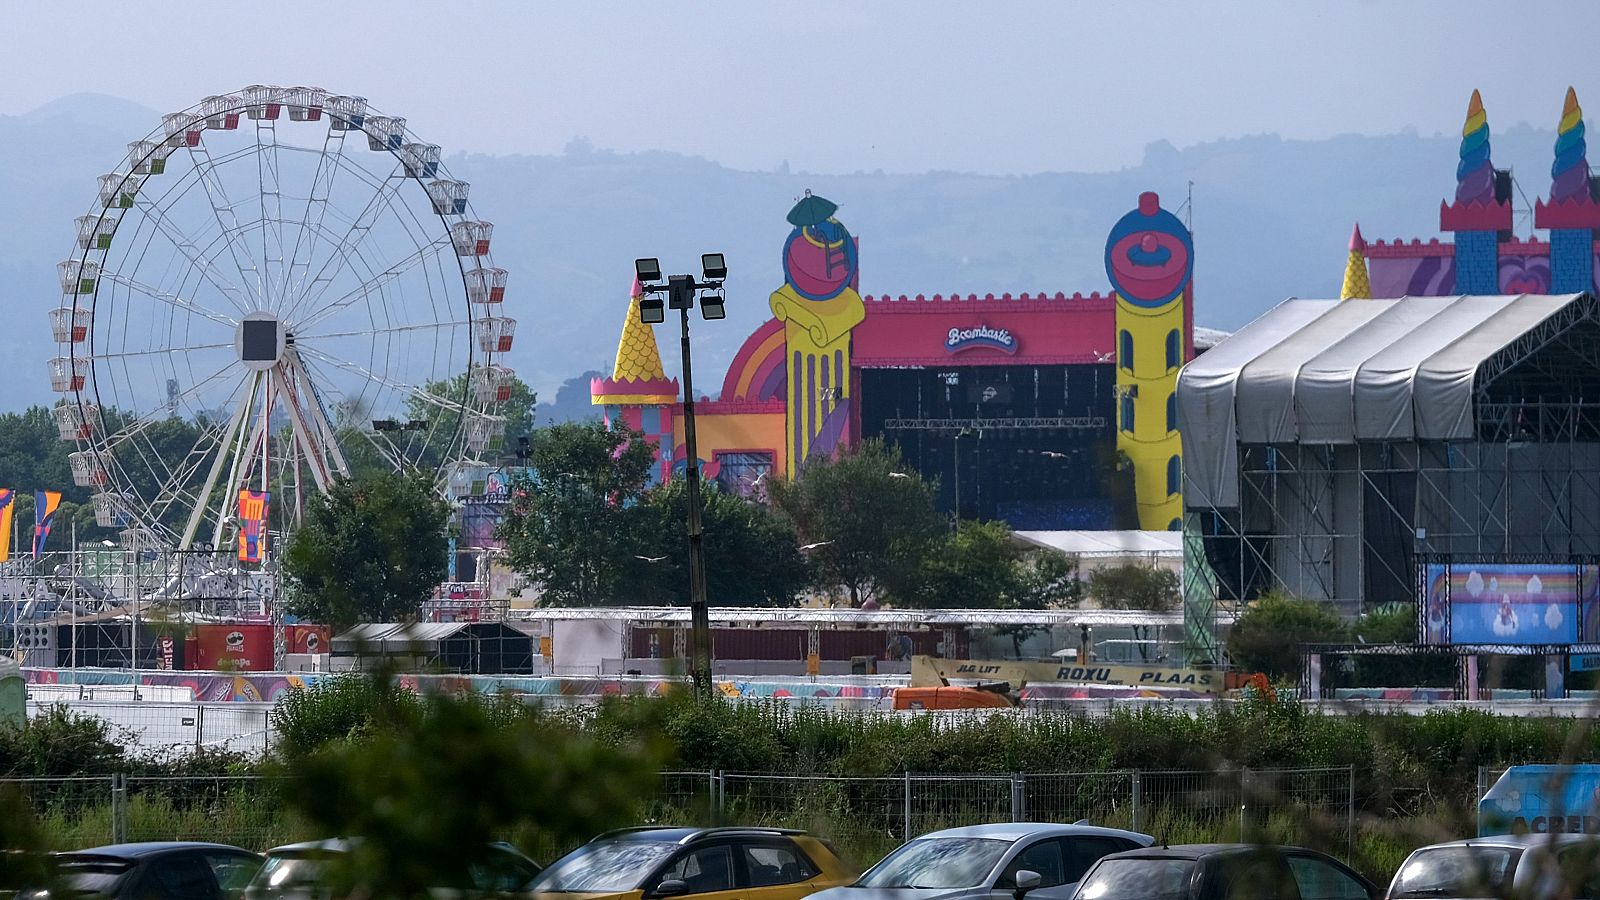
<point x="681" y="293"/>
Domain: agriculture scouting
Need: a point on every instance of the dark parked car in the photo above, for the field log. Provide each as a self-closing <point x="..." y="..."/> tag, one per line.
<point x="165" y="870"/>
<point x="1224" y="872"/>
<point x="298" y="872"/>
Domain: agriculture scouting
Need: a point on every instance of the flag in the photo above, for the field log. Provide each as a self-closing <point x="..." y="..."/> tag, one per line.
<point x="253" y="525"/>
<point x="44" y="513"/>
<point x="7" y="507"/>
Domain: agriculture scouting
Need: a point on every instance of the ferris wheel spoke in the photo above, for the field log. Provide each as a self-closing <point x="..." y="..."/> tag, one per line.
<point x="410" y="390"/>
<point x="316" y="210"/>
<point x="267" y="180"/>
<point x="197" y="259"/>
<point x="350" y="243"/>
<point x="301" y="337"/>
<point x="173" y="300"/>
<point x="223" y="209"/>
<point x="129" y="430"/>
<point x="159" y="351"/>
<point x="377" y="282"/>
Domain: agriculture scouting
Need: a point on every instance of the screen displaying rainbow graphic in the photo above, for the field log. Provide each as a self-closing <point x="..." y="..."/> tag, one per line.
<point x="1511" y="603"/>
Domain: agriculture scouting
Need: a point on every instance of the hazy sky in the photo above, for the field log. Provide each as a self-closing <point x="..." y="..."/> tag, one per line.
<point x="834" y="86"/>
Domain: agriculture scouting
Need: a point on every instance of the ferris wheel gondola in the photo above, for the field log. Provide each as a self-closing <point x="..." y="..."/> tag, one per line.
<point x="275" y="287"/>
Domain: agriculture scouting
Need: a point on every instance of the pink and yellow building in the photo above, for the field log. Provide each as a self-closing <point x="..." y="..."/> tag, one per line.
<point x="1048" y="410"/>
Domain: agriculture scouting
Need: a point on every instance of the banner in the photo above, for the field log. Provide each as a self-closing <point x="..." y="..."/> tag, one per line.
<point x="44" y="513"/>
<point x="930" y="670"/>
<point x="8" y="506"/>
<point x="253" y="525"/>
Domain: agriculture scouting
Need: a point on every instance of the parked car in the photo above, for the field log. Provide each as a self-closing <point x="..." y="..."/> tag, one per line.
<point x="653" y="863"/>
<point x="165" y="870"/>
<point x="299" y="871"/>
<point x="1037" y="860"/>
<point x="1530" y="865"/>
<point x="1224" y="872"/>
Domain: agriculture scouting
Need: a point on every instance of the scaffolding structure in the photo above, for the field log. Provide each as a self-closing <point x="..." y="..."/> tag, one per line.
<point x="1347" y="517"/>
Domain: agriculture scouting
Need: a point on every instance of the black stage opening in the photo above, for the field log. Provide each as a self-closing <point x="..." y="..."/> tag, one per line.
<point x="1034" y="446"/>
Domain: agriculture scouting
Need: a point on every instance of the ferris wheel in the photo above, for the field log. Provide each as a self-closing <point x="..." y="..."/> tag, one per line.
<point x="278" y="287"/>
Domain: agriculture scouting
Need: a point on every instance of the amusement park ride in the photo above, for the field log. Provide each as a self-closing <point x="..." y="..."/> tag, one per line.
<point x="297" y="280"/>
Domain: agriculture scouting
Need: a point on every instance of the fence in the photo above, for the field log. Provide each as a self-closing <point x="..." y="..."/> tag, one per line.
<point x="864" y="816"/>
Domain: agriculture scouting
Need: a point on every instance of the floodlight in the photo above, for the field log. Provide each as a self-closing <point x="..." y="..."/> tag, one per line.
<point x="715" y="267"/>
<point x="648" y="270"/>
<point x="711" y="307"/>
<point x="652" y="311"/>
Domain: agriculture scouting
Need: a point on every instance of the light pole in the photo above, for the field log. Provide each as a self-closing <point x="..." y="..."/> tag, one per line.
<point x="682" y="291"/>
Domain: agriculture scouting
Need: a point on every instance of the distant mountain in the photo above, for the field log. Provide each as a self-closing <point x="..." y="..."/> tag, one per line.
<point x="1270" y="216"/>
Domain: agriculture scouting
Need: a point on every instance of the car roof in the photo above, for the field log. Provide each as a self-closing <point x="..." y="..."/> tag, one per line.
<point x="1512" y="841"/>
<point x="1012" y="831"/>
<point x="679" y="835"/>
<point x="1197" y="851"/>
<point x="329" y="845"/>
<point x="146" y="848"/>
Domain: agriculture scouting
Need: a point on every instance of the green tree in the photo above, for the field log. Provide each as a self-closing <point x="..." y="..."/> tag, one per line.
<point x="370" y="550"/>
<point x="572" y="525"/>
<point x="868" y="516"/>
<point x="751" y="551"/>
<point x="1268" y="634"/>
<point x="519" y="412"/>
<point x="458" y="773"/>
<point x="1135" y="586"/>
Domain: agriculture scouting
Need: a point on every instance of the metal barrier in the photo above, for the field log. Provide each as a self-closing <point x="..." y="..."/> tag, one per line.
<point x="867" y="816"/>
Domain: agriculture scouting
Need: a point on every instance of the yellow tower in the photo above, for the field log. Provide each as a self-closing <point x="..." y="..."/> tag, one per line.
<point x="1356" y="284"/>
<point x="639" y="394"/>
<point x="819" y="307"/>
<point x="1149" y="257"/>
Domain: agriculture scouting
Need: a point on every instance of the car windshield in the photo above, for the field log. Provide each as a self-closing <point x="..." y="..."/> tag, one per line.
<point x="93" y="874"/>
<point x="1465" y="871"/>
<point x="606" y="867"/>
<point x="937" y="863"/>
<point x="288" y="870"/>
<point x="1138" y="878"/>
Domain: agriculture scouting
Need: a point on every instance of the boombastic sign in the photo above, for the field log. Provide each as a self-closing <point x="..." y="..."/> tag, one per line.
<point x="961" y="339"/>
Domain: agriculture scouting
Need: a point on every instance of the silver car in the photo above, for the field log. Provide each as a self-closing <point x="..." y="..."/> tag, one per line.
<point x="991" y="862"/>
<point x="1525" y="865"/>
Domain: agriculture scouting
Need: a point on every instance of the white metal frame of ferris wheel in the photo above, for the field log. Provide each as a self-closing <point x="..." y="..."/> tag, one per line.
<point x="281" y="285"/>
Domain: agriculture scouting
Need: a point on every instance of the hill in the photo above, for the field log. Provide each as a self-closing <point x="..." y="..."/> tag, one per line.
<point x="1270" y="217"/>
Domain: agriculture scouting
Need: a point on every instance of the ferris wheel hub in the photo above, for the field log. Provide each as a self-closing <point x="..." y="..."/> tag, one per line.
<point x="259" y="340"/>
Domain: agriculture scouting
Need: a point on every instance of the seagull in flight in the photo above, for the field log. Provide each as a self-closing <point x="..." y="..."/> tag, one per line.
<point x="1105" y="357"/>
<point x="898" y="475"/>
<point x="807" y="547"/>
<point x="1053" y="454"/>
<point x="649" y="559"/>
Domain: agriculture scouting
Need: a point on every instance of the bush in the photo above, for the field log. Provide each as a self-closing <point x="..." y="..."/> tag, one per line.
<point x="333" y="710"/>
<point x="1268" y="635"/>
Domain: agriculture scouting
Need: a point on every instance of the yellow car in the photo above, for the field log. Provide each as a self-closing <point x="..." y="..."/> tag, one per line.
<point x="703" y="863"/>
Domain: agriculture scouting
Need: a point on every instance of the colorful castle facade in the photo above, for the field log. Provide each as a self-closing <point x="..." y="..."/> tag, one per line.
<point x="1485" y="255"/>
<point x="1050" y="411"/>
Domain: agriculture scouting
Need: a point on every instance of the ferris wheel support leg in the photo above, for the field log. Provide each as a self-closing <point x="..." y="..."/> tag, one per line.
<point x="304" y="437"/>
<point x="244" y="456"/>
<point x="235" y="423"/>
<point x="324" y="431"/>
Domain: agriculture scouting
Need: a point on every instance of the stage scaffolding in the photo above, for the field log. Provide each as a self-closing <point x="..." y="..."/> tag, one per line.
<point x="105" y="605"/>
<point x="1346" y="521"/>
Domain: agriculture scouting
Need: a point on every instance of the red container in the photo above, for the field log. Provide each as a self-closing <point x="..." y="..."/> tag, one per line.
<point x="234" y="648"/>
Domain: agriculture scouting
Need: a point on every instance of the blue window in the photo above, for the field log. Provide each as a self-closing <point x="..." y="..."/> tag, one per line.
<point x="1174" y="349"/>
<point x="1125" y="350"/>
<point x="1174" y="475"/>
<point x="1127" y="413"/>
<point x="1172" y="412"/>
